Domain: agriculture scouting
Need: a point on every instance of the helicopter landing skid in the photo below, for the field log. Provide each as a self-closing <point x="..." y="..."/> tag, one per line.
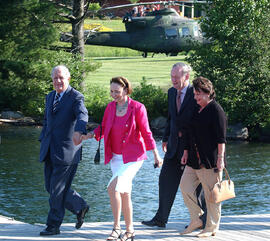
<point x="144" y="54"/>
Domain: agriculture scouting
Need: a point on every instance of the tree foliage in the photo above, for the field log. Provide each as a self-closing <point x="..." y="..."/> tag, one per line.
<point x="237" y="60"/>
<point x="26" y="33"/>
<point x="94" y="6"/>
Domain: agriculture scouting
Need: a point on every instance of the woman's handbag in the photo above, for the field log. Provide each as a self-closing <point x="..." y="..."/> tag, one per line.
<point x="97" y="156"/>
<point x="223" y="190"/>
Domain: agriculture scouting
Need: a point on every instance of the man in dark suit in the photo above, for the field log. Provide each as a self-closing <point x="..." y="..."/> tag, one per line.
<point x="65" y="120"/>
<point x="181" y="105"/>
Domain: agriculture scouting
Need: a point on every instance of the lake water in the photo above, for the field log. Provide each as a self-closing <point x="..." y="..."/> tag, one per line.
<point x="23" y="196"/>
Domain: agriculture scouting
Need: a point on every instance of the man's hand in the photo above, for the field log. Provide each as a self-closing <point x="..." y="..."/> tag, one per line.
<point x="164" y="146"/>
<point x="184" y="157"/>
<point x="77" y="140"/>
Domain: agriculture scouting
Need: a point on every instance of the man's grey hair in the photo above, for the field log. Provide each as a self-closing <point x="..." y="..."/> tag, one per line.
<point x="63" y="68"/>
<point x="185" y="67"/>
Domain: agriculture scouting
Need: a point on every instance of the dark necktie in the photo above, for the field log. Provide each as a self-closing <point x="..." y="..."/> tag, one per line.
<point x="178" y="100"/>
<point x="56" y="102"/>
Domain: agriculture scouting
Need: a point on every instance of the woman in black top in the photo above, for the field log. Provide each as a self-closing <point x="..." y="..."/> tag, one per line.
<point x="204" y="154"/>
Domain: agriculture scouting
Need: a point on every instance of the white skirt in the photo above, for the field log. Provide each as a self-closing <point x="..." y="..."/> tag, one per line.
<point x="124" y="173"/>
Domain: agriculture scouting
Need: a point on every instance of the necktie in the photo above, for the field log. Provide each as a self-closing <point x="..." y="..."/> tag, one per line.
<point x="178" y="100"/>
<point x="56" y="102"/>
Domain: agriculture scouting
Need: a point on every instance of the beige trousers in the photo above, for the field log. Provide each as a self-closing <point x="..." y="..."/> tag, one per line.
<point x="189" y="182"/>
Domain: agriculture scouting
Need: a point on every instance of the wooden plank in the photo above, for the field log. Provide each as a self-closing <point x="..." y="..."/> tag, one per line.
<point x="232" y="228"/>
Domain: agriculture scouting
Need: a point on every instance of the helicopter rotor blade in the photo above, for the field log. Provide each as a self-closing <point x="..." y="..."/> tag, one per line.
<point x="131" y="5"/>
<point x="192" y="1"/>
<point x="165" y="3"/>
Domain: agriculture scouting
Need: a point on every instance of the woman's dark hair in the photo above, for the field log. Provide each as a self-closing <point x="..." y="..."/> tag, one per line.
<point x="124" y="82"/>
<point x="204" y="85"/>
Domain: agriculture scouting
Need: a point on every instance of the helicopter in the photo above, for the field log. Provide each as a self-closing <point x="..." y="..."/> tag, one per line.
<point x="160" y="31"/>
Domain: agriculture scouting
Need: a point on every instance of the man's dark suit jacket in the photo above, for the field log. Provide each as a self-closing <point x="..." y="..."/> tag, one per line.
<point x="58" y="128"/>
<point x="171" y="172"/>
<point x="177" y="121"/>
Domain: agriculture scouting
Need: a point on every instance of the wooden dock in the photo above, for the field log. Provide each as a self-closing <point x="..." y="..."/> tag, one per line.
<point x="232" y="228"/>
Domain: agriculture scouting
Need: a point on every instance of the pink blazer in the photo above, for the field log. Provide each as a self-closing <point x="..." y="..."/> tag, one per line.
<point x="138" y="137"/>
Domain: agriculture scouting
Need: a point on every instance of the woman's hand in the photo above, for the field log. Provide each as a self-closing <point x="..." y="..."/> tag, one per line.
<point x="220" y="163"/>
<point x="158" y="159"/>
<point x="89" y="135"/>
<point x="220" y="156"/>
<point x="184" y="157"/>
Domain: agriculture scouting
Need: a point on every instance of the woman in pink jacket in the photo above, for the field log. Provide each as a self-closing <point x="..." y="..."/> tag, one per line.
<point x="127" y="137"/>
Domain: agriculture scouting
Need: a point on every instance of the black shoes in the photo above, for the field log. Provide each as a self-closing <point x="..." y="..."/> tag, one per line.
<point x="80" y="217"/>
<point x="154" y="223"/>
<point x="55" y="230"/>
<point x="50" y="231"/>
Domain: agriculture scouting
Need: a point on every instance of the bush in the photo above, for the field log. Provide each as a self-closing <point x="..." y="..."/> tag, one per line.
<point x="154" y="99"/>
<point x="96" y="100"/>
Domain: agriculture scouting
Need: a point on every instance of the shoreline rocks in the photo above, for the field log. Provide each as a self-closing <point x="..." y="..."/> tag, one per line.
<point x="16" y="118"/>
<point x="234" y="132"/>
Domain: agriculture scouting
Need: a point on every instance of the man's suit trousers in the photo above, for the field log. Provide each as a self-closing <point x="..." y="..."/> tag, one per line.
<point x="58" y="179"/>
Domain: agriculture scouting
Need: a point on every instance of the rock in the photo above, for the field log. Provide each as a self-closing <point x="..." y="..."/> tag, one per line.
<point x="11" y="115"/>
<point x="234" y="132"/>
<point x="158" y="126"/>
<point x="26" y="121"/>
<point x="15" y="118"/>
<point x="237" y="132"/>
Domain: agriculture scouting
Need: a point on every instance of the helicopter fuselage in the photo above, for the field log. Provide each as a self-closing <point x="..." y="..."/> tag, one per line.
<point x="163" y="31"/>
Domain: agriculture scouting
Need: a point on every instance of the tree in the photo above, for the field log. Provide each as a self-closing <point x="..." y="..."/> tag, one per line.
<point x="237" y="60"/>
<point x="26" y="34"/>
<point x="74" y="12"/>
<point x="77" y="27"/>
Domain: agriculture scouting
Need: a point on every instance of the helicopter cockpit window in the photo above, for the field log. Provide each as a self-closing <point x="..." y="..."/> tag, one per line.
<point x="171" y="32"/>
<point x="185" y="32"/>
<point x="196" y="31"/>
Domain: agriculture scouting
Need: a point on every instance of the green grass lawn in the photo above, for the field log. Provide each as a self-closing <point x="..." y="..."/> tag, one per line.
<point x="114" y="24"/>
<point x="98" y="51"/>
<point x="154" y="70"/>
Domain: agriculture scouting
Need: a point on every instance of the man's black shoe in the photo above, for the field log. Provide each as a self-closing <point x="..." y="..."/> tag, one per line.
<point x="80" y="217"/>
<point x="50" y="231"/>
<point x="154" y="223"/>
